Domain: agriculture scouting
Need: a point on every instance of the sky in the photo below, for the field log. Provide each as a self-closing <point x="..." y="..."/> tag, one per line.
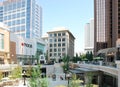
<point x="72" y="14"/>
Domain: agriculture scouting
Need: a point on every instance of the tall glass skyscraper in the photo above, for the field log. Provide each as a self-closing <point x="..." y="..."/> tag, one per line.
<point x="24" y="17"/>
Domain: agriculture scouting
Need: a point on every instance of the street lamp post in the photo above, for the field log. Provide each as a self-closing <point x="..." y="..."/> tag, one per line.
<point x="24" y="77"/>
<point x="68" y="77"/>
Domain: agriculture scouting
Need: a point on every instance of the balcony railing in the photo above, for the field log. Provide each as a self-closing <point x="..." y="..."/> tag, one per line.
<point x="105" y="67"/>
<point x="7" y="66"/>
<point x="108" y="64"/>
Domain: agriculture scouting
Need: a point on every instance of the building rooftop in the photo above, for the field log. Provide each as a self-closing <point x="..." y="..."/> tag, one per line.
<point x="59" y="29"/>
<point x="56" y="29"/>
<point x="3" y="26"/>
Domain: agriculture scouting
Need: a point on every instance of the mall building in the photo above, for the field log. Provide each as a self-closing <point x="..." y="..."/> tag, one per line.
<point x="28" y="50"/>
<point x="16" y="49"/>
<point x="4" y="44"/>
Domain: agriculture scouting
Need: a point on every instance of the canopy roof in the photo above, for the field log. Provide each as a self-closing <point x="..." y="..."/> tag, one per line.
<point x="82" y="70"/>
<point x="107" y="50"/>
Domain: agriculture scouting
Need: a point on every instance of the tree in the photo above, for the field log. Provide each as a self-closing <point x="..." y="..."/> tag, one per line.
<point x="29" y="71"/>
<point x="89" y="76"/>
<point x="35" y="79"/>
<point x="16" y="72"/>
<point x="1" y="75"/>
<point x="83" y="56"/>
<point x="66" y="60"/>
<point x="91" y="56"/>
<point x="46" y="56"/>
<point x="76" y="58"/>
<point x="73" y="81"/>
<point x="38" y="53"/>
<point x="87" y="55"/>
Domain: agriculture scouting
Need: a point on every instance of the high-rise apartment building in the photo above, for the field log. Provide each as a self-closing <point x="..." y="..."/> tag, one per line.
<point x="60" y="43"/>
<point x="24" y="17"/>
<point x="89" y="36"/>
<point x="107" y="23"/>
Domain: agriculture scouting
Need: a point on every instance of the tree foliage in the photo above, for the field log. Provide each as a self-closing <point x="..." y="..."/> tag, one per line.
<point x="1" y="75"/>
<point x="89" y="79"/>
<point x="76" y="58"/>
<point x="73" y="81"/>
<point x="89" y="56"/>
<point x="38" y="53"/>
<point x="66" y="60"/>
<point x="16" y="72"/>
<point x="35" y="79"/>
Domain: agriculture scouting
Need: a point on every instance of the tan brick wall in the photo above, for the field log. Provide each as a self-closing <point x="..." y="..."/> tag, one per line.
<point x="6" y="52"/>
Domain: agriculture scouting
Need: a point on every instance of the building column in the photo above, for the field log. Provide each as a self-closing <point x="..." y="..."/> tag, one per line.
<point x="5" y="59"/>
<point x="100" y="79"/>
<point x="118" y="66"/>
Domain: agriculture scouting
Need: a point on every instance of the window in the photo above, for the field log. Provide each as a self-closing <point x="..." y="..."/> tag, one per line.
<point x="50" y="40"/>
<point x="5" y="18"/>
<point x="13" y="29"/>
<point x="55" y="45"/>
<point x="63" y="49"/>
<point x="50" y="45"/>
<point x="13" y="22"/>
<point x="13" y="16"/>
<point x="18" y="28"/>
<point x="63" y="34"/>
<point x="55" y="35"/>
<point x="19" y="5"/>
<point x="9" y="17"/>
<point x="63" y="44"/>
<point x="23" y="3"/>
<point x="63" y="39"/>
<point x="50" y="35"/>
<point x="59" y="39"/>
<point x="18" y="21"/>
<point x="23" y="14"/>
<point x="55" y="54"/>
<point x="22" y="21"/>
<point x="2" y="41"/>
<point x="18" y="15"/>
<point x="9" y="23"/>
<point x="59" y="34"/>
<point x="59" y="45"/>
<point x="50" y="54"/>
<point x="50" y="50"/>
<point x="55" y="50"/>
<point x="23" y="28"/>
<point x="14" y="6"/>
<point x="55" y="40"/>
<point x="59" y="54"/>
<point x="59" y="49"/>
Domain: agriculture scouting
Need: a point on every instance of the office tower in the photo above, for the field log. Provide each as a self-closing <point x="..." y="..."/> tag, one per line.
<point x="24" y="17"/>
<point x="89" y="36"/>
<point x="107" y="23"/>
<point x="60" y="43"/>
